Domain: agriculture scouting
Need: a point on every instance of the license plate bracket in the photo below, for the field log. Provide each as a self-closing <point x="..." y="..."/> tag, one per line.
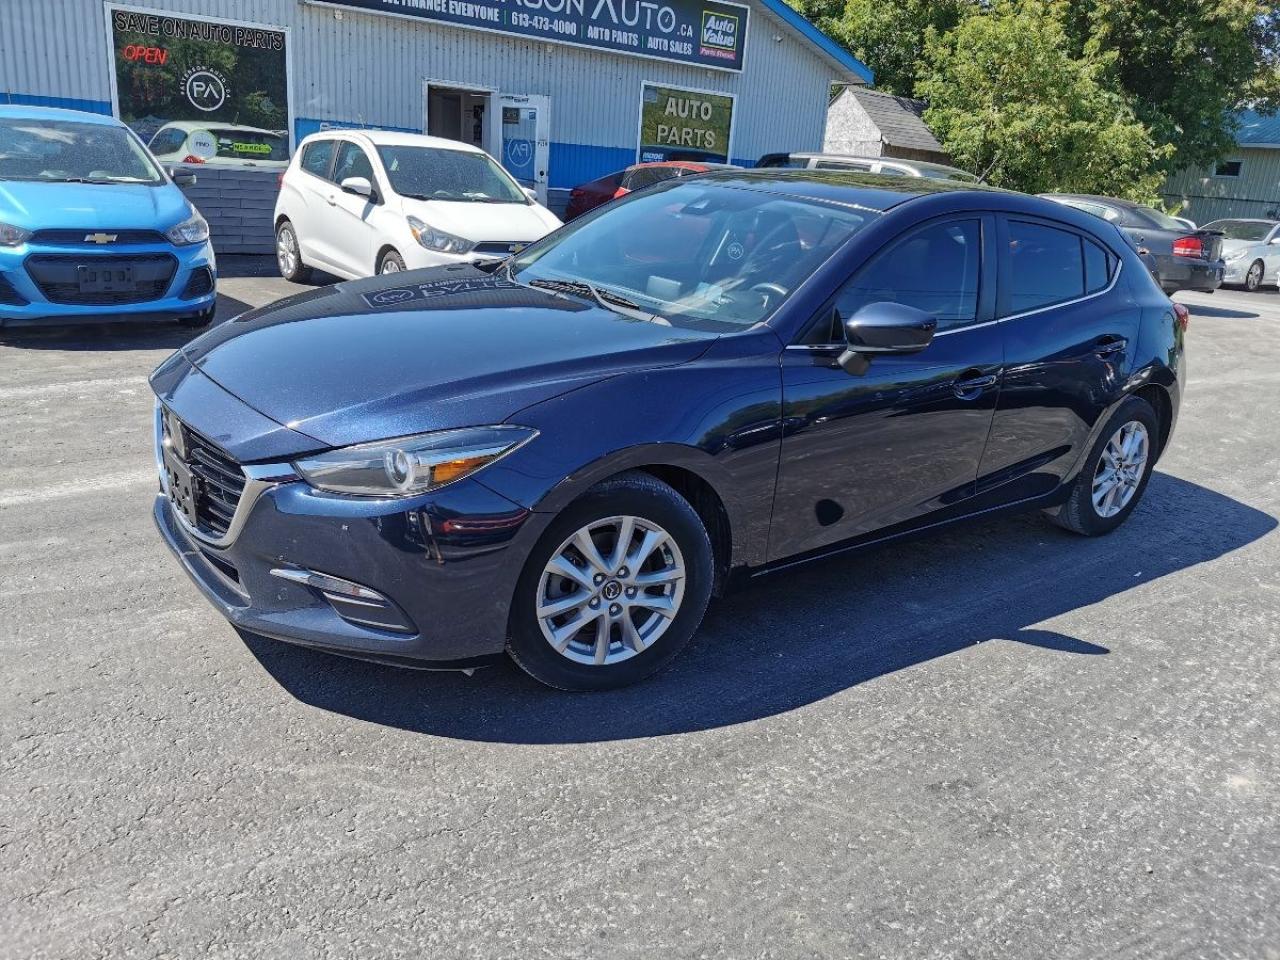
<point x="106" y="278"/>
<point x="182" y="486"/>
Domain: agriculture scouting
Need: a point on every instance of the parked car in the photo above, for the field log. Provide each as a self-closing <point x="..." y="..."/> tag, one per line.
<point x="590" y="195"/>
<point x="564" y="454"/>
<point x="885" y="165"/>
<point x="221" y="145"/>
<point x="360" y="202"/>
<point x="1179" y="259"/>
<point x="92" y="228"/>
<point x="1251" y="251"/>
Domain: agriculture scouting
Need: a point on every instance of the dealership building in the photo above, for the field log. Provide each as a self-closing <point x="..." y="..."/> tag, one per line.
<point x="560" y="91"/>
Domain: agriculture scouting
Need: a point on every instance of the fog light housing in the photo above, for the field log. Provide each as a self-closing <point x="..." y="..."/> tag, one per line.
<point x="352" y="601"/>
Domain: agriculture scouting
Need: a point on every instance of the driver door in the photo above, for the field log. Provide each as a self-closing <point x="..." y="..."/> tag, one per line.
<point x="903" y="440"/>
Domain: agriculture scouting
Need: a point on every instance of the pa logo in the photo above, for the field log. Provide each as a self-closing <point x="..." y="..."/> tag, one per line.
<point x="205" y="89"/>
<point x="387" y="298"/>
<point x="736" y="250"/>
<point x="519" y="153"/>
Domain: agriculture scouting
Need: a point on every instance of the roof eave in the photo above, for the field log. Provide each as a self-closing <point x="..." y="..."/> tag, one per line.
<point x="850" y="65"/>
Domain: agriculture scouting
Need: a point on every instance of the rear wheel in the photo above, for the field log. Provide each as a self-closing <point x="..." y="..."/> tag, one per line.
<point x="289" y="255"/>
<point x="1253" y="278"/>
<point x="614" y="589"/>
<point x="1115" y="475"/>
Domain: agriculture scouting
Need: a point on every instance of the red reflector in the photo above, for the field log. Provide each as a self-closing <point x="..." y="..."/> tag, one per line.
<point x="192" y="158"/>
<point x="1183" y="316"/>
<point x="1188" y="247"/>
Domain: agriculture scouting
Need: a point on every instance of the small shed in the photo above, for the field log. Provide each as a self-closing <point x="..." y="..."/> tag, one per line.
<point x="1245" y="183"/>
<point x="868" y="123"/>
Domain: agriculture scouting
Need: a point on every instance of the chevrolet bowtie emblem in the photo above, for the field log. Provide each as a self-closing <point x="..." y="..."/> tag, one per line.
<point x="100" y="238"/>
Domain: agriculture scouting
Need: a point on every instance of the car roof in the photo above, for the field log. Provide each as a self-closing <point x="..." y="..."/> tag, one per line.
<point x="872" y="191"/>
<point x="22" y="112"/>
<point x="893" y="161"/>
<point x="394" y="138"/>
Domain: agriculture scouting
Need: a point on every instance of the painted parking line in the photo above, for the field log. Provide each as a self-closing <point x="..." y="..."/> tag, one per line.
<point x="57" y="491"/>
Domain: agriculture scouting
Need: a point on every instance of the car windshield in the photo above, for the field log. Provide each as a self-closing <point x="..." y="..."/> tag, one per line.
<point x="696" y="254"/>
<point x="1149" y="217"/>
<point x="62" y="151"/>
<point x="435" y="173"/>
<point x="1242" y="229"/>
<point x="250" y="144"/>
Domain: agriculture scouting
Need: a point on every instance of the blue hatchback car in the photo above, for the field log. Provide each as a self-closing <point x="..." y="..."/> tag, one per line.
<point x="92" y="228"/>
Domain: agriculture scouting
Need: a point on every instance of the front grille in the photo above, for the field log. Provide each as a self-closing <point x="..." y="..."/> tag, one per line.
<point x="220" y="483"/>
<point x="201" y="282"/>
<point x="78" y="237"/>
<point x="58" y="278"/>
<point x="9" y="295"/>
<point x="500" y="248"/>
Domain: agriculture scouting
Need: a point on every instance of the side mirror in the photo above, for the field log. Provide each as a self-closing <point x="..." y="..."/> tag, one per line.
<point x="884" y="328"/>
<point x="181" y="176"/>
<point x="531" y="193"/>
<point x="360" y="186"/>
<point x="1274" y="240"/>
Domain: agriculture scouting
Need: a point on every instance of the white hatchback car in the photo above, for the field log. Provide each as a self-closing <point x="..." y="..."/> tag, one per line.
<point x="359" y="202"/>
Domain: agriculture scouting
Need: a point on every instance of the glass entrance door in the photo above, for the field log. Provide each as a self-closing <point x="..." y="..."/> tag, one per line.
<point x="525" y="139"/>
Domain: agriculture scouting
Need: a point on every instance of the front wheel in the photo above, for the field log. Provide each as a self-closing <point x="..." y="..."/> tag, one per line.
<point x="1115" y="475"/>
<point x="614" y="589"/>
<point x="1253" y="279"/>
<point x="391" y="262"/>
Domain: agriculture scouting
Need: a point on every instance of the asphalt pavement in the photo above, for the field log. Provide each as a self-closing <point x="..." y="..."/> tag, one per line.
<point x="1005" y="741"/>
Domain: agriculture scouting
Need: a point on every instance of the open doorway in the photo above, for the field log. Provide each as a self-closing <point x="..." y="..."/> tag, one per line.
<point x="459" y="113"/>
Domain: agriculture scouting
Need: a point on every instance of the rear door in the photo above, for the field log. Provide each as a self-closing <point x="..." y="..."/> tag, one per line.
<point x="904" y="439"/>
<point x="1070" y="329"/>
<point x="307" y="187"/>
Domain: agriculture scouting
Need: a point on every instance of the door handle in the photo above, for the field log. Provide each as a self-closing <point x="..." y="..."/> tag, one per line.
<point x="969" y="388"/>
<point x="1109" y="346"/>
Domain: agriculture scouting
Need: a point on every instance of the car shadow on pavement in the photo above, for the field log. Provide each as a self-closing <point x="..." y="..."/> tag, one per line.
<point x="800" y="636"/>
<point x="1204" y="310"/>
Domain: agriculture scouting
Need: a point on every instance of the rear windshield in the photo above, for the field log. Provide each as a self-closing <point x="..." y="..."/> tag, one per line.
<point x="66" y="151"/>
<point x="250" y="144"/>
<point x="1242" y="229"/>
<point x="1149" y="217"/>
<point x="434" y="173"/>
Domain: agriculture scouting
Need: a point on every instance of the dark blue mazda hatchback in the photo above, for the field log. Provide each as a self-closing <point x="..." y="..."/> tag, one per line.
<point x="564" y="454"/>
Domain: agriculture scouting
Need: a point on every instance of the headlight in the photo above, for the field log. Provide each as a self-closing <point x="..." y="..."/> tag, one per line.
<point x="1236" y="254"/>
<point x="11" y="236"/>
<point x="434" y="239"/>
<point x="195" y="229"/>
<point x="407" y="466"/>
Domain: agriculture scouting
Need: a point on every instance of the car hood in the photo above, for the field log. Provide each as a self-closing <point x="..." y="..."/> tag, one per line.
<point x="116" y="206"/>
<point x="483" y="222"/>
<point x="425" y="350"/>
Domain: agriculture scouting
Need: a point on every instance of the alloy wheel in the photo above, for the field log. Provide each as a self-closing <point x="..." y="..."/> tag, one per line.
<point x="286" y="252"/>
<point x="390" y="266"/>
<point x="1120" y="468"/>
<point x="1253" y="279"/>
<point x="610" y="590"/>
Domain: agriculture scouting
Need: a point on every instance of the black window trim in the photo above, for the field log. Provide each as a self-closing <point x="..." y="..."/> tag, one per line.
<point x="987" y="279"/>
<point x="1004" y="285"/>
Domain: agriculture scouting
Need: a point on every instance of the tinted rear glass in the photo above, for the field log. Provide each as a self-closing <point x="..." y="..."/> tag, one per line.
<point x="250" y="145"/>
<point x="1046" y="266"/>
<point x="1148" y="217"/>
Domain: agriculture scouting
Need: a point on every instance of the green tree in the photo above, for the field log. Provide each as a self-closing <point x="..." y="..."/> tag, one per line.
<point x="1187" y="65"/>
<point x="1009" y="101"/>
<point x="886" y="35"/>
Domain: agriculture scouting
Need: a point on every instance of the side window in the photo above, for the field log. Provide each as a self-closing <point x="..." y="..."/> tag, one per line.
<point x="935" y="269"/>
<point x="168" y="141"/>
<point x="1097" y="267"/>
<point x="352" y="162"/>
<point x="316" y="157"/>
<point x="1046" y="266"/>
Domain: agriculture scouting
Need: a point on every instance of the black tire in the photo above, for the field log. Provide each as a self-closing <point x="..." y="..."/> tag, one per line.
<point x="1253" y="276"/>
<point x="196" y="321"/>
<point x="294" y="270"/>
<point x="1078" y="514"/>
<point x="629" y="494"/>
<point x="391" y="262"/>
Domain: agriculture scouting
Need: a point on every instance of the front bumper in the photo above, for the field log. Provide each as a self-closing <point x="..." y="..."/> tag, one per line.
<point x="24" y="302"/>
<point x="449" y="563"/>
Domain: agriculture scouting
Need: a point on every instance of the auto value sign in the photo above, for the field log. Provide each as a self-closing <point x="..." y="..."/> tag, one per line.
<point x="710" y="33"/>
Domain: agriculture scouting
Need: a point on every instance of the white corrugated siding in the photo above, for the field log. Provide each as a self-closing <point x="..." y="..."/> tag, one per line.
<point x="1255" y="193"/>
<point x="368" y="68"/>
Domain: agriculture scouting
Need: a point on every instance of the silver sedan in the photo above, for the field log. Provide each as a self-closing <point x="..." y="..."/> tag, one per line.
<point x="1251" y="249"/>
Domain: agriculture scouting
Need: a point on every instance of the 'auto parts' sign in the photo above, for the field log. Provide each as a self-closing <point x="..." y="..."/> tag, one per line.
<point x="678" y="124"/>
<point x="710" y="33"/>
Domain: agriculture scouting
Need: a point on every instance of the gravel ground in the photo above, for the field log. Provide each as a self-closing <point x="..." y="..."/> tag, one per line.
<point x="1001" y="742"/>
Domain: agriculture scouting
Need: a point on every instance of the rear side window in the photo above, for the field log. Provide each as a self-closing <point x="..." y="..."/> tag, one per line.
<point x="316" y="157"/>
<point x="935" y="269"/>
<point x="1046" y="266"/>
<point x="1097" y="267"/>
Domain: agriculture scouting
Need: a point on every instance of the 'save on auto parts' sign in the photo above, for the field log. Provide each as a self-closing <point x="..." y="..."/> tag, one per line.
<point x="709" y="33"/>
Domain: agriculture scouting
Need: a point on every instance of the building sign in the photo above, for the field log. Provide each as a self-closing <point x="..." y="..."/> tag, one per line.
<point x="199" y="90"/>
<point x="678" y="124"/>
<point x="710" y="33"/>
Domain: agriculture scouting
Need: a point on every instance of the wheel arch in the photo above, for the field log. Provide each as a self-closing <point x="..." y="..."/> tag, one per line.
<point x="382" y="252"/>
<point x="1162" y="403"/>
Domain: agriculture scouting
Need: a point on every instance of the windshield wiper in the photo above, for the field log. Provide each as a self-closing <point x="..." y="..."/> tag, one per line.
<point x="606" y="298"/>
